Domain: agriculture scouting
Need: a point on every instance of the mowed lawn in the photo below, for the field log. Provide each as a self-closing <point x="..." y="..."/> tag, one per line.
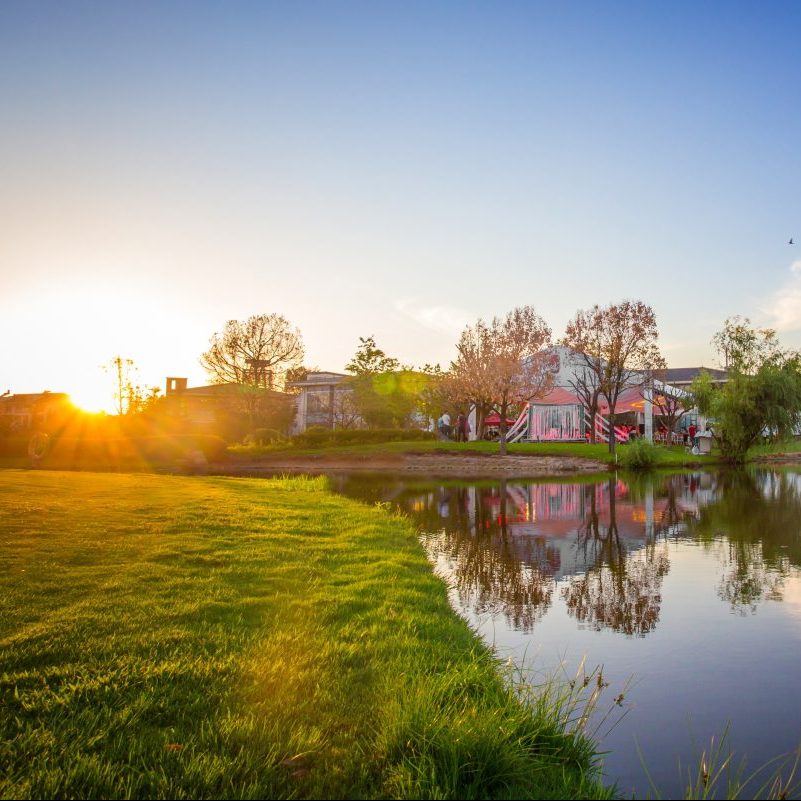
<point x="165" y="636"/>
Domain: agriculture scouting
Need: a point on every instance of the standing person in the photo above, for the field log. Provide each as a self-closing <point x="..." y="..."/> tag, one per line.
<point x="444" y="425"/>
<point x="691" y="431"/>
<point x="459" y="427"/>
<point x="464" y="428"/>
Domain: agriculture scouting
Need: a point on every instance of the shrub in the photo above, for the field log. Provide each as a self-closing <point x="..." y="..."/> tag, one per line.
<point x="116" y="452"/>
<point x="263" y="436"/>
<point x="317" y="436"/>
<point x="639" y="455"/>
<point x="15" y="444"/>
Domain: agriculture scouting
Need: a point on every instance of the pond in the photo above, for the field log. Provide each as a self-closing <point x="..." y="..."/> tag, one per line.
<point x="686" y="589"/>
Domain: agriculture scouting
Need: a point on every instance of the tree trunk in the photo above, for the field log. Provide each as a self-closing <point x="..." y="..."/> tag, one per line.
<point x="502" y="428"/>
<point x="612" y="437"/>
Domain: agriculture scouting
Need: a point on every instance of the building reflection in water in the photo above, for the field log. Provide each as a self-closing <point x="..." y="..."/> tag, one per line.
<point x="602" y="548"/>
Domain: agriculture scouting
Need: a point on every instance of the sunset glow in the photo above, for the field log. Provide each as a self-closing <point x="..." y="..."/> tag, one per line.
<point x="364" y="185"/>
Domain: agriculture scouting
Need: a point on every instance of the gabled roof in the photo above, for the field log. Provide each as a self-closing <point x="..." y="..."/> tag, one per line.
<point x="687" y="374"/>
<point x="320" y="378"/>
<point x="224" y="390"/>
<point x="33" y="397"/>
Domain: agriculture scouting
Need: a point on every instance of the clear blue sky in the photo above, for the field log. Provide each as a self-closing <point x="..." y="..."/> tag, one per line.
<point x="396" y="169"/>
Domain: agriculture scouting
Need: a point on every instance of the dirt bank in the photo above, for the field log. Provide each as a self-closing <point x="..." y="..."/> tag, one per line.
<point x="437" y="465"/>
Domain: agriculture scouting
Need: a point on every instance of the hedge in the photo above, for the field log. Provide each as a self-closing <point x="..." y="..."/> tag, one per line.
<point x="317" y="436"/>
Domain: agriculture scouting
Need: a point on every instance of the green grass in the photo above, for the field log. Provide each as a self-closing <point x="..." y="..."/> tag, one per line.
<point x="165" y="636"/>
<point x="791" y="448"/>
<point x="672" y="456"/>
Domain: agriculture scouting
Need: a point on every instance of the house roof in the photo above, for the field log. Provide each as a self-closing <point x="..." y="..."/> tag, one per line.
<point x="321" y="378"/>
<point x="225" y="390"/>
<point x="34" y="397"/>
<point x="683" y="375"/>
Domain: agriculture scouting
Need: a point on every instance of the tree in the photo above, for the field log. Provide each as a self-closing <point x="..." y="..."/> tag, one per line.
<point x="503" y="363"/>
<point x="762" y="395"/>
<point x="256" y="352"/>
<point x="129" y="396"/>
<point x="369" y="359"/>
<point x="383" y="394"/>
<point x="670" y="406"/>
<point x="585" y="384"/>
<point x="616" y="345"/>
<point x="743" y="348"/>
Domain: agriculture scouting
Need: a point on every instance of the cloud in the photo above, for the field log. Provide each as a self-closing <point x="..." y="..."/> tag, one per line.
<point x="784" y="311"/>
<point x="446" y="319"/>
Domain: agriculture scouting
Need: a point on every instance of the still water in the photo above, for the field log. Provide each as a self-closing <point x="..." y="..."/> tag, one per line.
<point x="686" y="590"/>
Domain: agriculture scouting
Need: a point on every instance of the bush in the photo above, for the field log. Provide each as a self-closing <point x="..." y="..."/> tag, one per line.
<point x="317" y="436"/>
<point x="116" y="452"/>
<point x="263" y="436"/>
<point x="639" y="455"/>
<point x="15" y="444"/>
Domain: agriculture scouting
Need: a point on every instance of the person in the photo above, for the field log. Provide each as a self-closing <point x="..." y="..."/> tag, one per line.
<point x="444" y="425"/>
<point x="459" y="427"/>
<point x="464" y="428"/>
<point x="692" y="431"/>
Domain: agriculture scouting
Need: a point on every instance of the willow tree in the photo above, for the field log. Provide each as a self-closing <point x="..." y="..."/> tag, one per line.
<point x="615" y="345"/>
<point x="503" y="363"/>
<point x="762" y="394"/>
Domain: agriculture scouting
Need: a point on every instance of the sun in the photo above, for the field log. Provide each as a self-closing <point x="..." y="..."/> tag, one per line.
<point x="93" y="396"/>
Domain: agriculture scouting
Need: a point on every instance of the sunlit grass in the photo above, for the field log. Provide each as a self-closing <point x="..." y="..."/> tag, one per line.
<point x="668" y="456"/>
<point x="179" y="637"/>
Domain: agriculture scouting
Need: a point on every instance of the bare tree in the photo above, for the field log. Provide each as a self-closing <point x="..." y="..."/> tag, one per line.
<point x="616" y="344"/>
<point x="256" y="352"/>
<point x="503" y="363"/>
<point x="670" y="405"/>
<point x="129" y="396"/>
<point x="585" y="384"/>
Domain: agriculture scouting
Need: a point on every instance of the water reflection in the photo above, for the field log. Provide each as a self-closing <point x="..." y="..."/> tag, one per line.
<point x="603" y="548"/>
<point x="688" y="584"/>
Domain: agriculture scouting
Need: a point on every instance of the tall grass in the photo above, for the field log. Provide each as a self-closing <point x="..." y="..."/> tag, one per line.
<point x="640" y="455"/>
<point x="175" y="637"/>
<point x="717" y="775"/>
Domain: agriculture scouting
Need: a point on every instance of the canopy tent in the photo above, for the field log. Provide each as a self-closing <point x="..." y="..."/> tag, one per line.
<point x="630" y="400"/>
<point x="494" y="419"/>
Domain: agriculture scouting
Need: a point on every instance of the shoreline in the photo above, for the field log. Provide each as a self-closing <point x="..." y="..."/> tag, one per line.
<point x="440" y="465"/>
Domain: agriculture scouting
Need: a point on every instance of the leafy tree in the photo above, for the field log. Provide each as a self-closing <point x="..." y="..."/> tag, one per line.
<point x="383" y="394"/>
<point x="762" y="395"/>
<point x="503" y="364"/>
<point x="615" y="345"/>
<point x="743" y="348"/>
<point x="370" y="359"/>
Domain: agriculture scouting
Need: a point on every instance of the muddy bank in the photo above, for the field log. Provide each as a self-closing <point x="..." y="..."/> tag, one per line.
<point x="435" y="465"/>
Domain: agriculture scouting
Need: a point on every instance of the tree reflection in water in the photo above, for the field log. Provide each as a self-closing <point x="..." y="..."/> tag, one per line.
<point x="754" y="523"/>
<point x="507" y="546"/>
<point x="492" y="572"/>
<point x="618" y="591"/>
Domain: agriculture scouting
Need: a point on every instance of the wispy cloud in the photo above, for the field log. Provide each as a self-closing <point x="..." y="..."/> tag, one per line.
<point x="447" y="319"/>
<point x="784" y="310"/>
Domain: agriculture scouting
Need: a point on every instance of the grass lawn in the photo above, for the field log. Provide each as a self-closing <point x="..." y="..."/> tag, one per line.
<point x="165" y="636"/>
<point x="673" y="456"/>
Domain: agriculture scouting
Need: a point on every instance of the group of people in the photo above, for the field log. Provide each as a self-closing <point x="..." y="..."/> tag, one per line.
<point x="460" y="431"/>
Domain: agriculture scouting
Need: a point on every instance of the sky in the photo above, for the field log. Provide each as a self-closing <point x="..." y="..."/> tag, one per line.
<point x="395" y="169"/>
